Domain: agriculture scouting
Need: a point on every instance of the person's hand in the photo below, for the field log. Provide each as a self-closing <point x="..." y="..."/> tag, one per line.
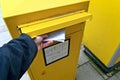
<point x="40" y="43"/>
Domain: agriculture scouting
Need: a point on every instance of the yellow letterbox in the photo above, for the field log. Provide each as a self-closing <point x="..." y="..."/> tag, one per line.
<point x="45" y="16"/>
<point x="102" y="34"/>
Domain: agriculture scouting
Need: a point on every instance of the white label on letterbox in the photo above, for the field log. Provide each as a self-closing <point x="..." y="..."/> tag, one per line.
<point x="56" y="52"/>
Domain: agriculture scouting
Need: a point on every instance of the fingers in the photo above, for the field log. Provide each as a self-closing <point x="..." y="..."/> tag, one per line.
<point x="48" y="43"/>
<point x="39" y="39"/>
<point x="40" y="43"/>
<point x="44" y="44"/>
<point x="44" y="36"/>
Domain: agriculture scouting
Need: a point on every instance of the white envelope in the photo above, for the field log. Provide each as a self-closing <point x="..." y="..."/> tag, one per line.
<point x="58" y="35"/>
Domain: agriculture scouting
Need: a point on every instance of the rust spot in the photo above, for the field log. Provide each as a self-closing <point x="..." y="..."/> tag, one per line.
<point x="43" y="72"/>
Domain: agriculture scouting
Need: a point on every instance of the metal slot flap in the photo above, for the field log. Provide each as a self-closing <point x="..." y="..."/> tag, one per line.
<point x="44" y="26"/>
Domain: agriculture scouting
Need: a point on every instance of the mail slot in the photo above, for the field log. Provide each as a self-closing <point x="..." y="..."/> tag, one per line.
<point x="52" y="24"/>
<point x="58" y="61"/>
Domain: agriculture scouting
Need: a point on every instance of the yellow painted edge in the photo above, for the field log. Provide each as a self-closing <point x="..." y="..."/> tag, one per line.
<point x="55" y="24"/>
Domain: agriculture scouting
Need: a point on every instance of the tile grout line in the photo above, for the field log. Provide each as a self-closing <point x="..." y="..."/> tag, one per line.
<point x="98" y="70"/>
<point x="82" y="64"/>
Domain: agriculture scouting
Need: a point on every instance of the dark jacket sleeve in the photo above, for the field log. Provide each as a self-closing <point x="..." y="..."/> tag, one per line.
<point x="16" y="57"/>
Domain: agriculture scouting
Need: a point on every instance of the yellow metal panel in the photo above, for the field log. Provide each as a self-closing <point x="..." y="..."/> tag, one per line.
<point x="0" y="3"/>
<point x="17" y="7"/>
<point x="15" y="15"/>
<point x="64" y="69"/>
<point x="43" y="16"/>
<point x="42" y="27"/>
<point x="118" y="60"/>
<point x="102" y="34"/>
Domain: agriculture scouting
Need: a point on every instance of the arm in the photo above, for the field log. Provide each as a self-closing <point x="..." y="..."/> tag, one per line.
<point x="17" y="55"/>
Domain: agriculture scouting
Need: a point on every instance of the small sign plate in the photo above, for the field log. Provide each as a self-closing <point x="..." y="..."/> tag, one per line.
<point x="56" y="52"/>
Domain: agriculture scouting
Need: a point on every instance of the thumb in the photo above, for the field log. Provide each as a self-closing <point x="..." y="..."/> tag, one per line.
<point x="38" y="39"/>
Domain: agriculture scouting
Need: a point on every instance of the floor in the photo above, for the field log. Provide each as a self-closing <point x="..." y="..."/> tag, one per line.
<point x="86" y="69"/>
